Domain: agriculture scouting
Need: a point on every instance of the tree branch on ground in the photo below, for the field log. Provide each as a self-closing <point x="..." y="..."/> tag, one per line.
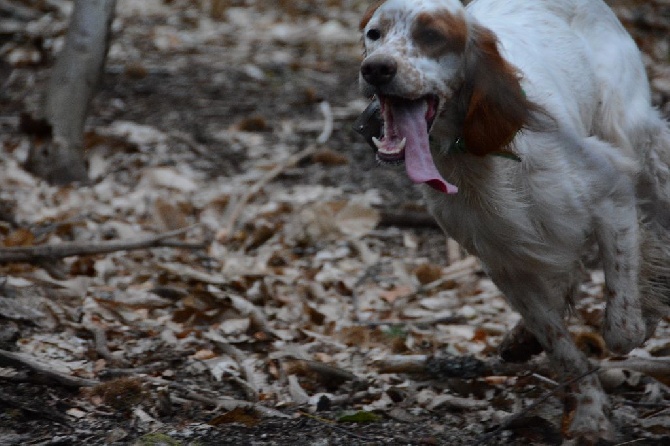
<point x="46" y="373"/>
<point x="34" y="254"/>
<point x="441" y="367"/>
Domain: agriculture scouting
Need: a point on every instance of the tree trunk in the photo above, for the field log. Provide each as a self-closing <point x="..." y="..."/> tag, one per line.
<point x="74" y="79"/>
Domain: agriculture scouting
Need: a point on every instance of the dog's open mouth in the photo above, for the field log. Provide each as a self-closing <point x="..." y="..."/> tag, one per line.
<point x="407" y="123"/>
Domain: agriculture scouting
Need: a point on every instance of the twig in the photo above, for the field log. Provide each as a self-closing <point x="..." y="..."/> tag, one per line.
<point x="424" y="321"/>
<point x="224" y="403"/>
<point x="100" y="340"/>
<point x="637" y="440"/>
<point x="230" y="404"/>
<point x="402" y="364"/>
<point x="544" y="379"/>
<point x="658" y="368"/>
<point x="247" y="381"/>
<point x="327" y="112"/>
<point x="111" y="373"/>
<point x="17" y="360"/>
<point x="483" y="439"/>
<point x="229" y="228"/>
<point x="441" y="367"/>
<point x="334" y="425"/>
<point x="326" y="372"/>
<point x="183" y="137"/>
<point x="32" y="254"/>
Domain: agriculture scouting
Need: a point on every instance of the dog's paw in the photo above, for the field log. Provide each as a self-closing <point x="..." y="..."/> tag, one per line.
<point x="519" y="344"/>
<point x="588" y="421"/>
<point x="590" y="428"/>
<point x="624" y="328"/>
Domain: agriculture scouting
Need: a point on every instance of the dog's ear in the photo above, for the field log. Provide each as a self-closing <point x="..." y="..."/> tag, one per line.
<point x="496" y="105"/>
<point x="369" y="13"/>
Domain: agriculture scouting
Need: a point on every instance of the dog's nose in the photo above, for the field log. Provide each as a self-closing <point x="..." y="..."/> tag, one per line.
<point x="379" y="70"/>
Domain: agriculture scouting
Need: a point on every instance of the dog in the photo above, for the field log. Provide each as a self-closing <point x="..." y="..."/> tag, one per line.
<point x="529" y="127"/>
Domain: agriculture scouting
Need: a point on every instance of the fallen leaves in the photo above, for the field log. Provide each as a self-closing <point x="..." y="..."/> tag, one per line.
<point x="312" y="295"/>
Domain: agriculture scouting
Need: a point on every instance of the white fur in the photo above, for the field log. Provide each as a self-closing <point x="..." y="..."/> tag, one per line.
<point x="596" y="168"/>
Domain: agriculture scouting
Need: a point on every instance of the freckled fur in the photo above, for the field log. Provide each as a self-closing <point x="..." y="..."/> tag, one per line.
<point x="562" y="85"/>
<point x="448" y="33"/>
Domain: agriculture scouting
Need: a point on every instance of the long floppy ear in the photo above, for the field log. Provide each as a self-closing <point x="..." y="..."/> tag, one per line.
<point x="497" y="107"/>
<point x="369" y="13"/>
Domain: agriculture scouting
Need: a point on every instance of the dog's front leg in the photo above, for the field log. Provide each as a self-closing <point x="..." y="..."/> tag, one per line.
<point x="618" y="238"/>
<point x="541" y="305"/>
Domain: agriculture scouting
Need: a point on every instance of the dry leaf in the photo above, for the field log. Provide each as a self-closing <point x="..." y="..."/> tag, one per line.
<point x="242" y="415"/>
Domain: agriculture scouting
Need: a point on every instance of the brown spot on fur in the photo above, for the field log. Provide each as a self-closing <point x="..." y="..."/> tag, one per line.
<point x="369" y="13"/>
<point x="497" y="107"/>
<point x="440" y="34"/>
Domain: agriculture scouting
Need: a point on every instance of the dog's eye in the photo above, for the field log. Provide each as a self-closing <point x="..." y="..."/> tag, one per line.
<point x="373" y="34"/>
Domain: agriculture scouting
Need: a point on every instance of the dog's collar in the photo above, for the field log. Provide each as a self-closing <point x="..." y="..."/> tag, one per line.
<point x="458" y="146"/>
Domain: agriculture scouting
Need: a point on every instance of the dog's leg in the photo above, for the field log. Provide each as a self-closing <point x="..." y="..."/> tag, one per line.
<point x="654" y="274"/>
<point x="519" y="344"/>
<point x="618" y="238"/>
<point x="541" y="305"/>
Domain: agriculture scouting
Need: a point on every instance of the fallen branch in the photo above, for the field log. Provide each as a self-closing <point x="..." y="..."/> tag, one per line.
<point x="470" y="367"/>
<point x="465" y="367"/>
<point x="658" y="368"/>
<point x="416" y="322"/>
<point x="33" y="254"/>
<point x="18" y="360"/>
<point x="224" y="403"/>
<point x="325" y="372"/>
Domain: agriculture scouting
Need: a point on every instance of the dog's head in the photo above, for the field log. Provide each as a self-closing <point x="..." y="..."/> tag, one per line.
<point x="427" y="60"/>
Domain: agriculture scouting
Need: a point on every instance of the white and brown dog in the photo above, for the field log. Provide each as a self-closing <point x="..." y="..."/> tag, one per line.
<point x="558" y="89"/>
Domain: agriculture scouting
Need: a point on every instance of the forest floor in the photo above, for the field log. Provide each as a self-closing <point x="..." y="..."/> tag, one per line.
<point x="301" y="268"/>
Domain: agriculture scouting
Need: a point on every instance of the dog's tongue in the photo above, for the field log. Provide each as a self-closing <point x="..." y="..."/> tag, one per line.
<point x="410" y="121"/>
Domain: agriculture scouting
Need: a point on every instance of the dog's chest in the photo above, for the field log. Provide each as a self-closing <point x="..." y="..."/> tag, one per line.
<point x="508" y="230"/>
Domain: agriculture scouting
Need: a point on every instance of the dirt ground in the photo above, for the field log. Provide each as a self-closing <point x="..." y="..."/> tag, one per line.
<point x="306" y="277"/>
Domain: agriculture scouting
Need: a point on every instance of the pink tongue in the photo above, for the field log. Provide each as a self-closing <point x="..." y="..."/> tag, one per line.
<point x="410" y="123"/>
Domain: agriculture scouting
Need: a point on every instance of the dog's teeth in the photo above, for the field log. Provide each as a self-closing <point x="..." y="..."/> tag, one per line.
<point x="402" y="144"/>
<point x="377" y="142"/>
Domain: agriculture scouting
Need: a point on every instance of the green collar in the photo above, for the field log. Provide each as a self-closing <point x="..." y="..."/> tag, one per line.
<point x="458" y="146"/>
